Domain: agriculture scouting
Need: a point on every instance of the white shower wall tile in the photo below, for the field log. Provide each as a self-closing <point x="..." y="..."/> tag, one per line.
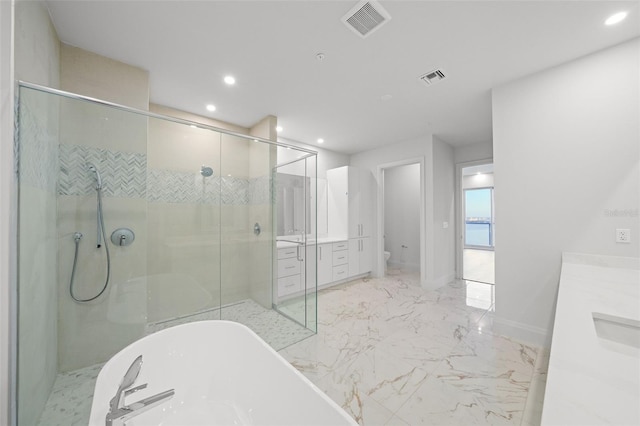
<point x="37" y="154"/>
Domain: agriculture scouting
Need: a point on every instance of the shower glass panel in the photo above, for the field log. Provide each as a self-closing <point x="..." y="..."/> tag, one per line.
<point x="295" y="183"/>
<point x="199" y="204"/>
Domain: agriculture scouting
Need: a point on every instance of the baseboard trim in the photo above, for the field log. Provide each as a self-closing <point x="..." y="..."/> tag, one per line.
<point x="525" y="333"/>
<point x="439" y="282"/>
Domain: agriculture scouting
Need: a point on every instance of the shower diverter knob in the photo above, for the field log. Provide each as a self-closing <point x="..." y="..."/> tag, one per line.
<point x="122" y="237"/>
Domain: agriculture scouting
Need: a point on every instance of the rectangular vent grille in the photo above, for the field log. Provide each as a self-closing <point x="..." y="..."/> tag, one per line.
<point x="366" y="17"/>
<point x="432" y="77"/>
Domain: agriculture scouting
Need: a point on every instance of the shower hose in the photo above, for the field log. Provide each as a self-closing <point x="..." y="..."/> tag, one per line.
<point x="77" y="237"/>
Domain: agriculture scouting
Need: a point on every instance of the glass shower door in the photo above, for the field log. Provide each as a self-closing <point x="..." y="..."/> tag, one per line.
<point x="295" y="277"/>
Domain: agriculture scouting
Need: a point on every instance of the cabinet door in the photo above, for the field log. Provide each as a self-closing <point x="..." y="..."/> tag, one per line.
<point x="354" y="203"/>
<point x="338" y="202"/>
<point x="309" y="279"/>
<point x="366" y="261"/>
<point x="366" y="187"/>
<point x="325" y="265"/>
<point x="354" y="257"/>
<point x="360" y="261"/>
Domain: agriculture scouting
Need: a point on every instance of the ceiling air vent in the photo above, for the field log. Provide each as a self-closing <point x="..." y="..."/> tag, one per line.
<point x="432" y="77"/>
<point x="366" y="17"/>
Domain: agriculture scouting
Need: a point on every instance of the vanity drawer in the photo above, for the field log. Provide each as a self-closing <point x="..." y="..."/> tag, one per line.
<point x="340" y="257"/>
<point x="288" y="267"/>
<point x="340" y="272"/>
<point x="341" y="246"/>
<point x="287" y="252"/>
<point x="288" y="285"/>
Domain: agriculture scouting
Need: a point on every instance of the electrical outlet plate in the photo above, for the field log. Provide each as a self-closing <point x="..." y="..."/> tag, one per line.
<point x="623" y="235"/>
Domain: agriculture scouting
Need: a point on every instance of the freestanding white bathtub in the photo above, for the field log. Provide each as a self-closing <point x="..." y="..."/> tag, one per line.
<point x="222" y="373"/>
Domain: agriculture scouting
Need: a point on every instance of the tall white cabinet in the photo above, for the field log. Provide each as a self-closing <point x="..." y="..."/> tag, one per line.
<point x="350" y="209"/>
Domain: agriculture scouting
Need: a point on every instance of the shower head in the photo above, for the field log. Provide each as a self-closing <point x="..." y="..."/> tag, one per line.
<point x="94" y="169"/>
<point x="206" y="171"/>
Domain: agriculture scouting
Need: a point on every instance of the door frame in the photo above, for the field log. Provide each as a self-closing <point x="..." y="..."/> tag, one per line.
<point x="459" y="213"/>
<point x="379" y="258"/>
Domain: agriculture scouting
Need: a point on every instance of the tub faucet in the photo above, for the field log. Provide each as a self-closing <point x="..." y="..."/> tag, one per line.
<point x="118" y="411"/>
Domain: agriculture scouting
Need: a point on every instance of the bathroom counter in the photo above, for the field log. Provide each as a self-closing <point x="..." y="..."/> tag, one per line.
<point x="322" y="240"/>
<point x="593" y="380"/>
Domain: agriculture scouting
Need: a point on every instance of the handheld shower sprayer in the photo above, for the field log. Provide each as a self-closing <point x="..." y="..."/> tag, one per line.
<point x="77" y="237"/>
<point x="94" y="169"/>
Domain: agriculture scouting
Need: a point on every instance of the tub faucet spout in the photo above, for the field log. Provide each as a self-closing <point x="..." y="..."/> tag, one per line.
<point x="118" y="411"/>
<point x="119" y="416"/>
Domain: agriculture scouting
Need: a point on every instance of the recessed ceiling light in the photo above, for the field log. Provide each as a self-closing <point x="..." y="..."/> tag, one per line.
<point x="211" y="107"/>
<point x="616" y="18"/>
<point x="320" y="140"/>
<point x="386" y="97"/>
<point x="278" y="129"/>
<point x="230" y="80"/>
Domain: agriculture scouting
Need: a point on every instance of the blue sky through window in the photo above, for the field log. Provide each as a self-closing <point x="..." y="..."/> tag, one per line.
<point x="478" y="202"/>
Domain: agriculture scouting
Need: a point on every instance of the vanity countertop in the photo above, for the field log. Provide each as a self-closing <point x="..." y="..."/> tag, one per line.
<point x="592" y="380"/>
<point x="321" y="240"/>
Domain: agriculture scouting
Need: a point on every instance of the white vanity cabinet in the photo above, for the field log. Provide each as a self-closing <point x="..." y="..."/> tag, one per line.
<point x="350" y="208"/>
<point x="319" y="259"/>
<point x="340" y="260"/>
<point x="360" y="260"/>
<point x="289" y="270"/>
<point x="325" y="263"/>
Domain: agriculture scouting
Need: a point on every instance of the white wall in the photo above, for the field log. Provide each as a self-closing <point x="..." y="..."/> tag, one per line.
<point x="566" y="152"/>
<point x="402" y="215"/>
<point x="484" y="180"/>
<point x="473" y="152"/>
<point x="327" y="159"/>
<point x="7" y="200"/>
<point x="438" y="178"/>
<point x="443" y="211"/>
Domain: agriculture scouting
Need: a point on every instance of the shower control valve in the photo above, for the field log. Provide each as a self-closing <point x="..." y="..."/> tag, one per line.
<point x="122" y="237"/>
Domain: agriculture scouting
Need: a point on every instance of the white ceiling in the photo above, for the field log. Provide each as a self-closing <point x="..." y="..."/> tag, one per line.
<point x="271" y="46"/>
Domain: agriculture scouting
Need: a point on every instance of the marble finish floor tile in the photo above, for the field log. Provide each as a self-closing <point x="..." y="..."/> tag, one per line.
<point x="479" y="265"/>
<point x="392" y="353"/>
<point x="69" y="402"/>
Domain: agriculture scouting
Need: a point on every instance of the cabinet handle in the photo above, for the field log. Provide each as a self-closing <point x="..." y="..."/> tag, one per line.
<point x="289" y="267"/>
<point x="320" y="252"/>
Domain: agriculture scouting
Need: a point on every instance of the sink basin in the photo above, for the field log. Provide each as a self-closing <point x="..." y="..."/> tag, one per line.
<point x="617" y="329"/>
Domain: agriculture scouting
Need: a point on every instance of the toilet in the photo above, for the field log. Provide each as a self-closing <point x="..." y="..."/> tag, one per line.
<point x="387" y="255"/>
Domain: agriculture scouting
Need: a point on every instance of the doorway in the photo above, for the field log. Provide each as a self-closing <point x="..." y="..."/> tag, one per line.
<point x="401" y="220"/>
<point x="477" y="237"/>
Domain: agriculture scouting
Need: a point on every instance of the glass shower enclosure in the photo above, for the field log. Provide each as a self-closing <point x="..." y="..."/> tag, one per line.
<point x="131" y="222"/>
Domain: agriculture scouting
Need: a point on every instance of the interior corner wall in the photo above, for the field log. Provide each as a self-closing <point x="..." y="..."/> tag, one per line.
<point x="567" y="160"/>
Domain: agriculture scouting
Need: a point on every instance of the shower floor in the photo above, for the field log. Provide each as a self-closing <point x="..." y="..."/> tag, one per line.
<point x="70" y="400"/>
